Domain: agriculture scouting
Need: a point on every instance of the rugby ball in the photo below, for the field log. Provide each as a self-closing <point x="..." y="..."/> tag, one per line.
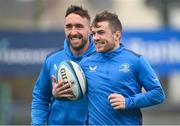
<point x="72" y="74"/>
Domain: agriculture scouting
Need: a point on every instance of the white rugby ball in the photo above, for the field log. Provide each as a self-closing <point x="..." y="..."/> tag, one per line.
<point x="72" y="74"/>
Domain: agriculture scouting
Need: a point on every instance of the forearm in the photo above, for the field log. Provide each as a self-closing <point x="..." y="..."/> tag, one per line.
<point x="38" y="116"/>
<point x="145" y="99"/>
<point x="39" y="109"/>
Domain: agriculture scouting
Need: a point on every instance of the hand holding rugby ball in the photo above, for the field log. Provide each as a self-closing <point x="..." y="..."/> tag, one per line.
<point x="72" y="74"/>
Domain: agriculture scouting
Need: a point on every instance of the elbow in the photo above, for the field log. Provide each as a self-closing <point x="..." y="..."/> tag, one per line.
<point x="163" y="97"/>
<point x="160" y="97"/>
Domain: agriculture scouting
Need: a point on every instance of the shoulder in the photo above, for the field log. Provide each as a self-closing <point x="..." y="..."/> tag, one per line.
<point x="131" y="56"/>
<point x="94" y="55"/>
<point x="136" y="59"/>
<point x="89" y="58"/>
<point x="55" y="54"/>
<point x="132" y="53"/>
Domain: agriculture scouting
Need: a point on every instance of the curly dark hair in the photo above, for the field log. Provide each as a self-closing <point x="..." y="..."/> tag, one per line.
<point x="113" y="20"/>
<point x="78" y="10"/>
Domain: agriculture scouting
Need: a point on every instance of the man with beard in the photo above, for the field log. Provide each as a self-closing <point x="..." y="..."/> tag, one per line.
<point x="78" y="44"/>
<point x="116" y="97"/>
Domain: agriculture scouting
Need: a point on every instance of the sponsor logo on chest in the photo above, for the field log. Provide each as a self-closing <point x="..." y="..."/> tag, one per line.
<point x="124" y="67"/>
<point x="92" y="68"/>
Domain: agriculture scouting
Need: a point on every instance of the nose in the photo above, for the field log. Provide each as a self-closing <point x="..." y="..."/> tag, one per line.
<point x="96" y="37"/>
<point x="73" y="31"/>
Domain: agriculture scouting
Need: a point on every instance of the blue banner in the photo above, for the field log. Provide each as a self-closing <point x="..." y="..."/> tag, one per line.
<point x="23" y="52"/>
<point x="161" y="48"/>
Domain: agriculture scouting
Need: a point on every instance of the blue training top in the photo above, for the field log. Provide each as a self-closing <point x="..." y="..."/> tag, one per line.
<point x="123" y="72"/>
<point x="46" y="109"/>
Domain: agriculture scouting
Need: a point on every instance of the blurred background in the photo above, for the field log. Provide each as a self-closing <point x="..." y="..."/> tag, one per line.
<point x="30" y="29"/>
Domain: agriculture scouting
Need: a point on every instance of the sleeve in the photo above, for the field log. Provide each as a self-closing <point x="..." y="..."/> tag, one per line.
<point x="41" y="97"/>
<point x="154" y="93"/>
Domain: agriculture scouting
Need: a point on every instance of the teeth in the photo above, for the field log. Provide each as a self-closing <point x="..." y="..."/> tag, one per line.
<point x="75" y="38"/>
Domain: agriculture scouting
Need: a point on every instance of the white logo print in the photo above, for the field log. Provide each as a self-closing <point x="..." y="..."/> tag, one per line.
<point x="92" y="69"/>
<point x="55" y="69"/>
<point x="55" y="66"/>
<point x="124" y="67"/>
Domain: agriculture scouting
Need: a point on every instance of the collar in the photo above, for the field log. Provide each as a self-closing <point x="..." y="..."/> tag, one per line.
<point x="90" y="50"/>
<point x="114" y="53"/>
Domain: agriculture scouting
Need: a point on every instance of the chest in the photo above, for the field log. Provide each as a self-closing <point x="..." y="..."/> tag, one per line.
<point x="111" y="73"/>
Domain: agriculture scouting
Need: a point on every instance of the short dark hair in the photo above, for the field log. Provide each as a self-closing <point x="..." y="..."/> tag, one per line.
<point x="77" y="10"/>
<point x="113" y="20"/>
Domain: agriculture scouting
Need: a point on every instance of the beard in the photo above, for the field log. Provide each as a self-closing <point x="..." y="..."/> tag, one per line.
<point x="104" y="46"/>
<point x="79" y="43"/>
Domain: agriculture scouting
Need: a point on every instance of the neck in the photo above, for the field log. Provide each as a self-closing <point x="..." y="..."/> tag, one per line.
<point x="117" y="44"/>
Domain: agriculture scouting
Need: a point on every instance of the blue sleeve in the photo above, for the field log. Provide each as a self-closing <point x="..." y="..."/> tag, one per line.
<point x="41" y="97"/>
<point x="153" y="94"/>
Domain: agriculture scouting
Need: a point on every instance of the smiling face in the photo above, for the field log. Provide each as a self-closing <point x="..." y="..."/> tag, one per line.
<point x="77" y="29"/>
<point x="105" y="40"/>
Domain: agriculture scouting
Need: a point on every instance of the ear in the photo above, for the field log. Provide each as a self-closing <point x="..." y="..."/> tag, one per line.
<point x="117" y="35"/>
